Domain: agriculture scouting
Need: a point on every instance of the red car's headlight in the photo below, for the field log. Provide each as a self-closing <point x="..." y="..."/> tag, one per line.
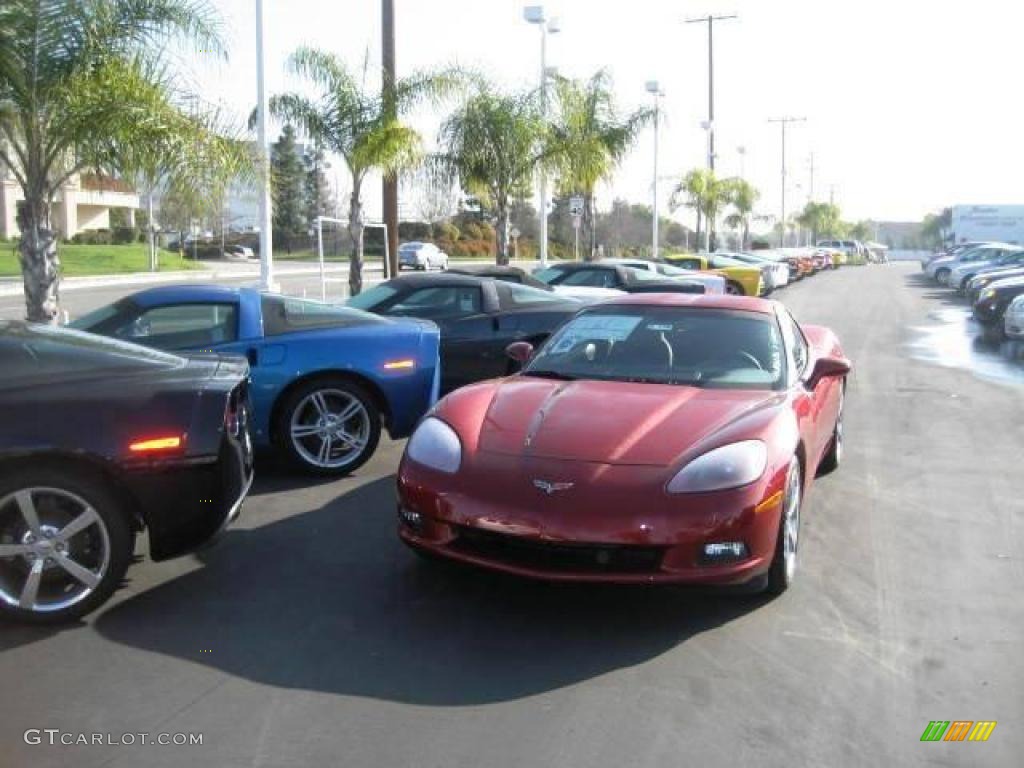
<point x="730" y="466"/>
<point x="434" y="444"/>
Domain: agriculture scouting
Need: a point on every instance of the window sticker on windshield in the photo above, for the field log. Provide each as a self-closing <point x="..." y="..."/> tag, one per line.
<point x="597" y="327"/>
<point x="659" y="327"/>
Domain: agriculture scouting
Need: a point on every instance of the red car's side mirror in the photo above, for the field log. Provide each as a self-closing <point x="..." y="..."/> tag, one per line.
<point x="826" y="367"/>
<point x="520" y="351"/>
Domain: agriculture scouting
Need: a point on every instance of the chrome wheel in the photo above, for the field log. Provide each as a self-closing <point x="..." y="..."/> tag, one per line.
<point x="838" y="437"/>
<point x="330" y="428"/>
<point x="791" y="521"/>
<point x="54" y="549"/>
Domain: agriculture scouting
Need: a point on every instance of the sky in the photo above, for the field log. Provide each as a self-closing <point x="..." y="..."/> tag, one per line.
<point x="910" y="105"/>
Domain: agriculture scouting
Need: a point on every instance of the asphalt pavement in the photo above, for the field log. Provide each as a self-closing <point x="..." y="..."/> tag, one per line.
<point x="310" y="637"/>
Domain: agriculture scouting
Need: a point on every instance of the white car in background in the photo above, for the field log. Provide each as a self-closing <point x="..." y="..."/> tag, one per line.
<point x="417" y="255"/>
<point x="711" y="283"/>
<point x="774" y="271"/>
<point x="1013" y="320"/>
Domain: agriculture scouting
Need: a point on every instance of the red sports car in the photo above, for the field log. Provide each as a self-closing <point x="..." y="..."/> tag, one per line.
<point x="653" y="438"/>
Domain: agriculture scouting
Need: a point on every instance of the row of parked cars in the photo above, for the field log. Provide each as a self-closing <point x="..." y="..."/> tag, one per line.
<point x="990" y="276"/>
<point x="144" y="416"/>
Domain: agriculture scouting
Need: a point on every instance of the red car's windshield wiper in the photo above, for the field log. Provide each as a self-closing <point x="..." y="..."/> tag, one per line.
<point x="547" y="374"/>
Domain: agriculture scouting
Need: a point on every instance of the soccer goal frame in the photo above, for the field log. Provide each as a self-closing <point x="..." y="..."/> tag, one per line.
<point x="324" y="279"/>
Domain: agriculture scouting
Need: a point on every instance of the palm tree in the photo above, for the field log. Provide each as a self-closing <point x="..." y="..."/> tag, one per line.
<point x="350" y="118"/>
<point x="703" y="191"/>
<point x="79" y="89"/>
<point x="588" y="140"/>
<point x="491" y="146"/>
<point x="742" y="197"/>
<point x="822" y="219"/>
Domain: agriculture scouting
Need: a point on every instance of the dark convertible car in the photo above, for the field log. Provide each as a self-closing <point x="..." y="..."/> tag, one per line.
<point x="478" y="316"/>
<point x="102" y="440"/>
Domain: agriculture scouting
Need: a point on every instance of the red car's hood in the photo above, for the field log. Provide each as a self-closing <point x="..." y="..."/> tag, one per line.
<point x="606" y="421"/>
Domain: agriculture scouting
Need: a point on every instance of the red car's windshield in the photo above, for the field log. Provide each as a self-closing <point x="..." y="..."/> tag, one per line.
<point x="667" y="345"/>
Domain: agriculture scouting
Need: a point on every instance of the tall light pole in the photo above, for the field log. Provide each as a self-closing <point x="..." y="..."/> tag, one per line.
<point x="389" y="184"/>
<point x="654" y="88"/>
<point x="534" y="14"/>
<point x="710" y="21"/>
<point x="742" y="152"/>
<point x="266" y="205"/>
<point x="784" y="121"/>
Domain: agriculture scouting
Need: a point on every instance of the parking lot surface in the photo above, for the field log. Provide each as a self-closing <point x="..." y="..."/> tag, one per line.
<point x="309" y="636"/>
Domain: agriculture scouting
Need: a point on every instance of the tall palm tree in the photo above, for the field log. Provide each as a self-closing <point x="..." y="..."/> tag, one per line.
<point x="77" y="90"/>
<point x="350" y="118"/>
<point x="589" y="138"/>
<point x="707" y="194"/>
<point x="491" y="146"/>
<point x="742" y="197"/>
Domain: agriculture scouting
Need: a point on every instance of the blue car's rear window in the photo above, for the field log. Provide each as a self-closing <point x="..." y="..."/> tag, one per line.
<point x="285" y="314"/>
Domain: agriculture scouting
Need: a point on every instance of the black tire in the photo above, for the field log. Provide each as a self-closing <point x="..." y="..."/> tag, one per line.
<point x="340" y="389"/>
<point x="780" y="575"/>
<point x="941" y="275"/>
<point x="734" y="289"/>
<point x="111" y="519"/>
<point x="834" y="455"/>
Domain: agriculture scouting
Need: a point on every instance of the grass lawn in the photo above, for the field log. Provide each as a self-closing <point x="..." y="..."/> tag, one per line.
<point x="78" y="260"/>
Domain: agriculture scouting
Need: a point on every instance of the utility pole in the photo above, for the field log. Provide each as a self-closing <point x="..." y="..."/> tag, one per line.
<point x="266" y="204"/>
<point x="810" y="190"/>
<point x="389" y="185"/>
<point x="784" y="121"/>
<point x="710" y="21"/>
<point x="654" y="88"/>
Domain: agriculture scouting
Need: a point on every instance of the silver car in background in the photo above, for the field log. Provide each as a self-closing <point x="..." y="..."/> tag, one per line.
<point x="1013" y="320"/>
<point x="711" y="283"/>
<point x="417" y="255"/>
<point x="990" y="256"/>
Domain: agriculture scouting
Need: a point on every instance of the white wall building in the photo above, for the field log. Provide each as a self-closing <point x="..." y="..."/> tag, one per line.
<point x="1001" y="223"/>
<point x="82" y="203"/>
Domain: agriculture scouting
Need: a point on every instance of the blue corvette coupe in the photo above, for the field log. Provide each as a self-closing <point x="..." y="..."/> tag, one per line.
<point x="324" y="378"/>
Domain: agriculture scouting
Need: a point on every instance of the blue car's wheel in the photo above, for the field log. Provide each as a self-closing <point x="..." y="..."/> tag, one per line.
<point x="329" y="426"/>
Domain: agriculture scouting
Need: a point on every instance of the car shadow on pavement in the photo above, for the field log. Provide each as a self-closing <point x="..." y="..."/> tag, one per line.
<point x="331" y="601"/>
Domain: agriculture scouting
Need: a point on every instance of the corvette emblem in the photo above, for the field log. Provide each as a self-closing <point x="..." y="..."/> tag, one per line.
<point x="550" y="488"/>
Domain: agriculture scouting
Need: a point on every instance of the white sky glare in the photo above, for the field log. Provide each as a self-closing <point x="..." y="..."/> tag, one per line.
<point x="911" y="105"/>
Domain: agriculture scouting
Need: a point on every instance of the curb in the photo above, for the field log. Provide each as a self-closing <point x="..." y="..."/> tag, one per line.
<point x="13" y="286"/>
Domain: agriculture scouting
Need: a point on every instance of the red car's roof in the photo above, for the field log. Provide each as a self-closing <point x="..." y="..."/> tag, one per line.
<point x="700" y="300"/>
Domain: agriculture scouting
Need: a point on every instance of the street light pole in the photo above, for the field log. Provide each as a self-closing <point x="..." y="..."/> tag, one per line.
<point x="389" y="184"/>
<point x="534" y="14"/>
<point x="654" y="89"/>
<point x="266" y="204"/>
<point x="710" y="21"/>
<point x="784" y="121"/>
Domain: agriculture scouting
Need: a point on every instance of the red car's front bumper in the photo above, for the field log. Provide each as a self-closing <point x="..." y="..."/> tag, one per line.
<point x="622" y="529"/>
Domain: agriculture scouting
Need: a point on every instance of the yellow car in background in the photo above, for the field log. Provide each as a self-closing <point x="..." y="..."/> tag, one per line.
<point x="740" y="279"/>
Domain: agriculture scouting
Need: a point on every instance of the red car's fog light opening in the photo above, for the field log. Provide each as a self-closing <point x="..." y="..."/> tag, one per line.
<point x="411" y="518"/>
<point x="724" y="551"/>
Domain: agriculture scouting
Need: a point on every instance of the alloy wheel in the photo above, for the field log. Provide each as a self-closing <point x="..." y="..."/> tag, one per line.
<point x="791" y="521"/>
<point x="54" y="549"/>
<point x="330" y="428"/>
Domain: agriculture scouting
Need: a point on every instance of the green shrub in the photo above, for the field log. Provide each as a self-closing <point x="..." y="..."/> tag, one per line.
<point x="123" y="235"/>
<point x="94" y="237"/>
<point x="414" y="230"/>
<point x="472" y="231"/>
<point x="445" y="230"/>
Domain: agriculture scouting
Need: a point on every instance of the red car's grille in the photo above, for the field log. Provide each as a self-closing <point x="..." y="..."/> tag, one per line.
<point x="546" y="556"/>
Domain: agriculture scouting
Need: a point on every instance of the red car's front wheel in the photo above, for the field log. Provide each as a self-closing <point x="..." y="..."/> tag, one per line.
<point x="783" y="567"/>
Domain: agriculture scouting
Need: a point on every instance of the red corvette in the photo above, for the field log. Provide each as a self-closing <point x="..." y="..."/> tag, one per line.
<point x="654" y="438"/>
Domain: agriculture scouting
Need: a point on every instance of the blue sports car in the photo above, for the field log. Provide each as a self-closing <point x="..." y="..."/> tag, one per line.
<point x="324" y="377"/>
